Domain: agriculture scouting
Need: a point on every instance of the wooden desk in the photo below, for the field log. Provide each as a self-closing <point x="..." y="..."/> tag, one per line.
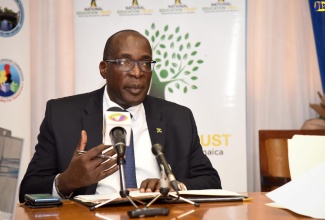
<point x="255" y="209"/>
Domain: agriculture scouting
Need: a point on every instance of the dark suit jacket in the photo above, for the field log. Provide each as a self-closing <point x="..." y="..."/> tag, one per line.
<point x="66" y="117"/>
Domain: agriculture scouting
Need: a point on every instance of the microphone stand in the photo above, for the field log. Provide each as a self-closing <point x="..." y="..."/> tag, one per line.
<point x="146" y="211"/>
<point x="164" y="190"/>
<point x="124" y="192"/>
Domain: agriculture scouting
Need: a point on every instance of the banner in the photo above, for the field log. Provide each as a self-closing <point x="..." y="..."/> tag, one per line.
<point x="317" y="13"/>
<point x="15" y="72"/>
<point x="199" y="47"/>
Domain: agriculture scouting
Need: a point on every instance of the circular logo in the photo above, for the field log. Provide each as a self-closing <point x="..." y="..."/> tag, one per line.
<point x="11" y="17"/>
<point x="11" y="80"/>
<point x="118" y="117"/>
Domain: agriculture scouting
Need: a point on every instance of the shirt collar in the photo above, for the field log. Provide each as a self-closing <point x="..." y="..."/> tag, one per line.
<point x="107" y="103"/>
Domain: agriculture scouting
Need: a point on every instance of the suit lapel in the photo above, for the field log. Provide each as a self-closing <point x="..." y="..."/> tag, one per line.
<point x="156" y="131"/>
<point x="93" y="120"/>
<point x="156" y="125"/>
<point x="92" y="123"/>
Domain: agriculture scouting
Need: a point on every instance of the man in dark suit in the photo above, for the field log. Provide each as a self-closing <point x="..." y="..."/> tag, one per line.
<point x="76" y="123"/>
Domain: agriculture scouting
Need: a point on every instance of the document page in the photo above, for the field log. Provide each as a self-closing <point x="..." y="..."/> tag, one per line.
<point x="98" y="198"/>
<point x="305" y="193"/>
<point x="305" y="152"/>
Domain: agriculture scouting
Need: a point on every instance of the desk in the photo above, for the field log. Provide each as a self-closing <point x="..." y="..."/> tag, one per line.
<point x="256" y="209"/>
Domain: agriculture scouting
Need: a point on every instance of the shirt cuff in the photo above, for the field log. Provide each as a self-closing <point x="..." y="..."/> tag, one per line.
<point x="54" y="192"/>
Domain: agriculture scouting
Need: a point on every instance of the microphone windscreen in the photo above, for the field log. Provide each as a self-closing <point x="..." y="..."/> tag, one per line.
<point x="156" y="149"/>
<point x="115" y="109"/>
<point x="119" y="134"/>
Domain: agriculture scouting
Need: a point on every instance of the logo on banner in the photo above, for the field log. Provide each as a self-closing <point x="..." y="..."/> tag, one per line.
<point x="178" y="60"/>
<point x="135" y="9"/>
<point x="319" y="6"/>
<point x="11" y="17"/>
<point x="220" y="6"/>
<point x="177" y="8"/>
<point x="93" y="10"/>
<point x="11" y="80"/>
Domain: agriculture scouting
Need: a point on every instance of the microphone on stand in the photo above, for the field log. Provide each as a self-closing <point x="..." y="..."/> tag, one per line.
<point x="157" y="150"/>
<point x="117" y="132"/>
<point x="166" y="176"/>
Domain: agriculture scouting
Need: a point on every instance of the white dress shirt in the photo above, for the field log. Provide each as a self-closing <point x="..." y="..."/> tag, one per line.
<point x="145" y="162"/>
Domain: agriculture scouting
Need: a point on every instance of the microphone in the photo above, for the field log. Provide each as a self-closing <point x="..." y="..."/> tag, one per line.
<point x="117" y="129"/>
<point x="164" y="186"/>
<point x="157" y="150"/>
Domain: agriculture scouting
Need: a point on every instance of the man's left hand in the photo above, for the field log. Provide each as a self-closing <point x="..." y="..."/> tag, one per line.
<point x="150" y="185"/>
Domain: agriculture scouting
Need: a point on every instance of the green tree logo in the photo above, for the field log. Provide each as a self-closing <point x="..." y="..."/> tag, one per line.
<point x="176" y="64"/>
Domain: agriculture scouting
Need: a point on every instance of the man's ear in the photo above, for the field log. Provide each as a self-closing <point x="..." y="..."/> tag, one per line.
<point x="103" y="68"/>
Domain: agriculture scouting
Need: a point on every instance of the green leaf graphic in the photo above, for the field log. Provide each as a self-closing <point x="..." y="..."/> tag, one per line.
<point x="175" y="54"/>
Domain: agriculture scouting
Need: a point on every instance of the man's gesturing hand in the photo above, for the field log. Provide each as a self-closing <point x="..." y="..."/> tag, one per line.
<point x="86" y="168"/>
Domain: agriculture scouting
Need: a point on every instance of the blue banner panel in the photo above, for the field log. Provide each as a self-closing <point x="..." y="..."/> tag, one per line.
<point x="317" y="11"/>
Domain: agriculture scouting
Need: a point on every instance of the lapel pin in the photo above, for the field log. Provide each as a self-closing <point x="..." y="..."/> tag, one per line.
<point x="159" y="130"/>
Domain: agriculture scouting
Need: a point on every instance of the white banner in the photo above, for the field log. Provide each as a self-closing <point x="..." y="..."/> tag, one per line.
<point x="15" y="72"/>
<point x="199" y="47"/>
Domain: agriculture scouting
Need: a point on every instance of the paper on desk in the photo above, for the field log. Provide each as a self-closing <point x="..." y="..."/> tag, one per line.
<point x="209" y="192"/>
<point x="305" y="194"/>
<point x="304" y="153"/>
<point x="97" y="198"/>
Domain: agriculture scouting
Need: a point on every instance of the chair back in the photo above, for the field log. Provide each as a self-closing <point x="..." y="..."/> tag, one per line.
<point x="274" y="163"/>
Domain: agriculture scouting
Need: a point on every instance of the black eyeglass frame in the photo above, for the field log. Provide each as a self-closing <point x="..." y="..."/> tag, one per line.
<point x="118" y="61"/>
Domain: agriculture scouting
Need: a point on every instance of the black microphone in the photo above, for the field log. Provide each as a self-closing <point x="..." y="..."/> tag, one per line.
<point x="116" y="126"/>
<point x="157" y="150"/>
<point x="118" y="139"/>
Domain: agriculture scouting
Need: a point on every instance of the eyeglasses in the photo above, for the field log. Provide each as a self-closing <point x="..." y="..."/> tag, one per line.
<point x="126" y="65"/>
